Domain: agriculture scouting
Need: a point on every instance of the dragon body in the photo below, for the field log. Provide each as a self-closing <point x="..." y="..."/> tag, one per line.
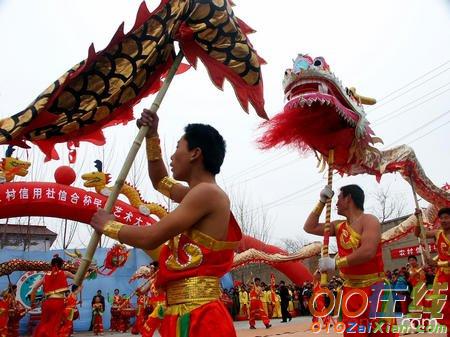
<point x="99" y="180"/>
<point x="406" y="227"/>
<point x="101" y="90"/>
<point x="8" y="267"/>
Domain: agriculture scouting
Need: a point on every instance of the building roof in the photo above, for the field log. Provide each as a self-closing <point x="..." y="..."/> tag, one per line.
<point x="24" y="229"/>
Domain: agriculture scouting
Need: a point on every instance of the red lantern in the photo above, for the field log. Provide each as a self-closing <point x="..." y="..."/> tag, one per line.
<point x="65" y="175"/>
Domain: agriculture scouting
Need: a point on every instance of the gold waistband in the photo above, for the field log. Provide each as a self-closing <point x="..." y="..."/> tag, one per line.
<point x="55" y="295"/>
<point x="445" y="270"/>
<point x="193" y="290"/>
<point x="361" y="281"/>
<point x="56" y="292"/>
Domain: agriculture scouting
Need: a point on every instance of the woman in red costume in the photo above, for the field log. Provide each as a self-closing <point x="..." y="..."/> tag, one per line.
<point x="70" y="313"/>
<point x="201" y="232"/>
<point x="359" y="260"/>
<point x="442" y="239"/>
<point x="256" y="305"/>
<point x="16" y="312"/>
<point x="140" y="314"/>
<point x="116" y="301"/>
<point x="55" y="285"/>
<point x="157" y="302"/>
<point x="97" y="314"/>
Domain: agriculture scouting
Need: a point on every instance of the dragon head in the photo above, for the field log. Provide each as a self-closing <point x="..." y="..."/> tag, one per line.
<point x="12" y="167"/>
<point x="141" y="272"/>
<point x="76" y="259"/>
<point x="97" y="179"/>
<point x="311" y="82"/>
<point x="325" y="113"/>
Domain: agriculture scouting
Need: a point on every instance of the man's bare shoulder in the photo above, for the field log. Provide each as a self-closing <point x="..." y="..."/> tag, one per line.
<point x="370" y="218"/>
<point x="208" y="191"/>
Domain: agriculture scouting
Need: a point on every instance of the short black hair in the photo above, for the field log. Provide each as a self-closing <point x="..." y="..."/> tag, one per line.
<point x="99" y="291"/>
<point x="282" y="282"/>
<point x="209" y="140"/>
<point x="155" y="264"/>
<point x="412" y="257"/>
<point x="57" y="262"/>
<point x="445" y="210"/>
<point x="117" y="290"/>
<point x="257" y="279"/>
<point x="356" y="193"/>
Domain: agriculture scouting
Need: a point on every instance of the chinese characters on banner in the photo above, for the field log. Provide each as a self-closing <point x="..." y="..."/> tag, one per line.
<point x="404" y="252"/>
<point x="61" y="201"/>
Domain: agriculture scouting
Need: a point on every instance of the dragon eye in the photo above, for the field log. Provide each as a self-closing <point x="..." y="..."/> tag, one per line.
<point x="317" y="62"/>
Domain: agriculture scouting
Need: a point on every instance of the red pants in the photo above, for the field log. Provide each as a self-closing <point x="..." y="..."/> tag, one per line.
<point x="208" y="320"/>
<point x="353" y="305"/>
<point x="140" y="320"/>
<point x="66" y="328"/>
<point x="257" y="311"/>
<point x="51" y="317"/>
<point x="97" y="325"/>
<point x="115" y="318"/>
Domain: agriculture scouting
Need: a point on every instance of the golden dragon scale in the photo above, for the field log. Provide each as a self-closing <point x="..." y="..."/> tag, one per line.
<point x="102" y="90"/>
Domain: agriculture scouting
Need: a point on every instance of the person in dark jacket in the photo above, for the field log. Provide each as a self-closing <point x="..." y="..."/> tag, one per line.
<point x="285" y="298"/>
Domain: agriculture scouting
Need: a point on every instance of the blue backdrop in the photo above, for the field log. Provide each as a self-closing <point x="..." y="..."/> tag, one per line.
<point x="119" y="279"/>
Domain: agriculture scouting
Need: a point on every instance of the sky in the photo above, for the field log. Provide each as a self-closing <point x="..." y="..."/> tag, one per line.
<point x="395" y="51"/>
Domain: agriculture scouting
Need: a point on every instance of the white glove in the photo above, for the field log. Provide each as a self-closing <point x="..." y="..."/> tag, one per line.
<point x="326" y="193"/>
<point x="327" y="264"/>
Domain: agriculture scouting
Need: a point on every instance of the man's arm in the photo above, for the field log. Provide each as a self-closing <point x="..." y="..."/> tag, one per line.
<point x="312" y="224"/>
<point x="35" y="289"/>
<point x="197" y="204"/>
<point x="370" y="238"/>
<point x="156" y="168"/>
<point x="428" y="233"/>
<point x="69" y="274"/>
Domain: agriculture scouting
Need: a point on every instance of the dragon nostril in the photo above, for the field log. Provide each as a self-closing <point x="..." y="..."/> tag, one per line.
<point x="317" y="63"/>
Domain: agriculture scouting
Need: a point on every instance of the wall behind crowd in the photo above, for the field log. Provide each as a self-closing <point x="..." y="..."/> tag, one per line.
<point x="119" y="279"/>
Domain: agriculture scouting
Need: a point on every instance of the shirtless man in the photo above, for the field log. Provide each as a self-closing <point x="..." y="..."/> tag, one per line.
<point x="359" y="259"/>
<point x="201" y="231"/>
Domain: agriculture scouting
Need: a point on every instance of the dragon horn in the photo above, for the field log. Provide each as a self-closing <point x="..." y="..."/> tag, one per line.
<point x="362" y="99"/>
<point x="72" y="255"/>
<point x="9" y="151"/>
<point x="99" y="165"/>
<point x="78" y="254"/>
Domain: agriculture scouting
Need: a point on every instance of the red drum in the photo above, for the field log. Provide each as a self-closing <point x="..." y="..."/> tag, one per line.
<point x="115" y="312"/>
<point x="128" y="312"/>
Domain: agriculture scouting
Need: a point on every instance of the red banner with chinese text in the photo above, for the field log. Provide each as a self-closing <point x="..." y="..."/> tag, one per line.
<point x="404" y="252"/>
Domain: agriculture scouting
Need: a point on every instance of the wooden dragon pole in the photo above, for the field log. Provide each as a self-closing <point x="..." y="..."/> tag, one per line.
<point x="326" y="230"/>
<point x="95" y="238"/>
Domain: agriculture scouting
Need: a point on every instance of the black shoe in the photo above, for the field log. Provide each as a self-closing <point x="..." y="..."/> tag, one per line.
<point x="252" y="327"/>
<point x="290" y="318"/>
<point x="268" y="326"/>
<point x="283" y="321"/>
